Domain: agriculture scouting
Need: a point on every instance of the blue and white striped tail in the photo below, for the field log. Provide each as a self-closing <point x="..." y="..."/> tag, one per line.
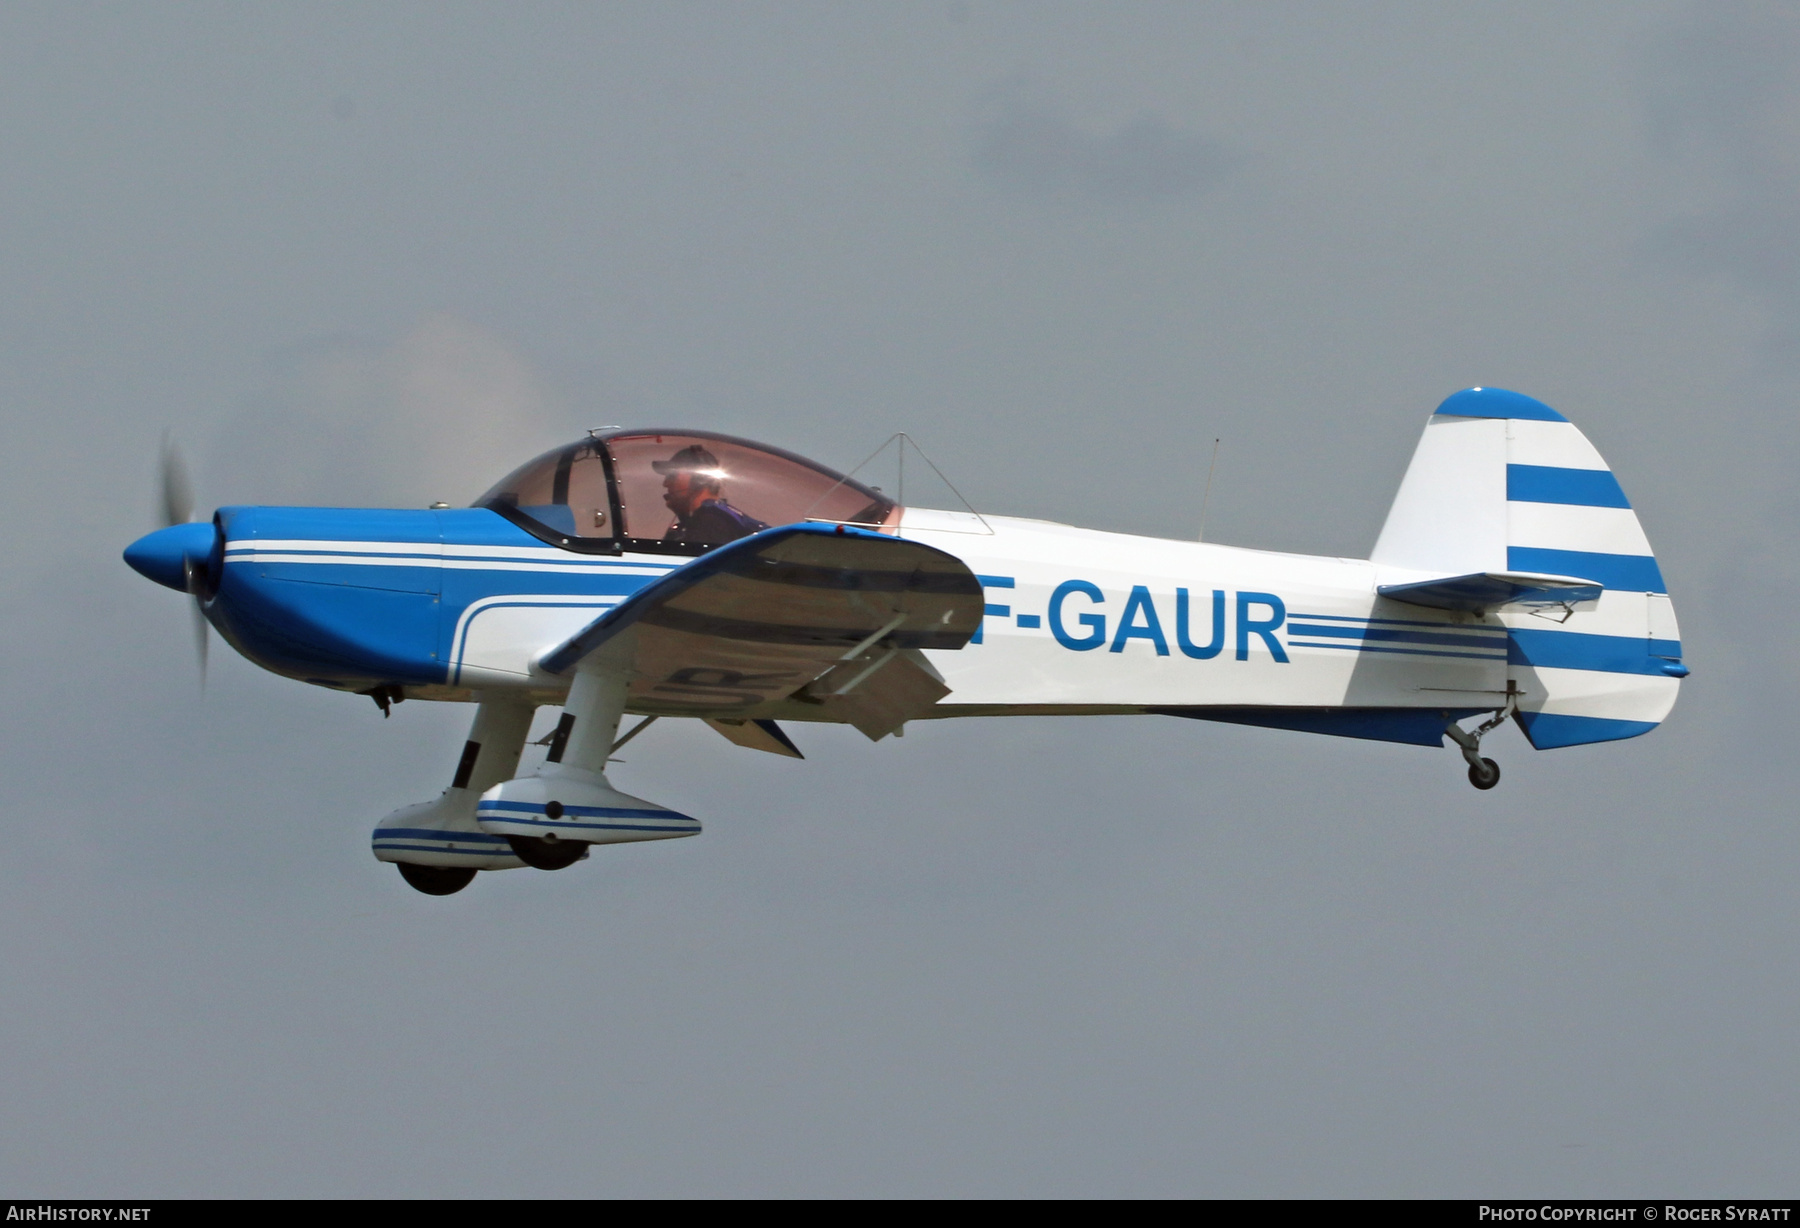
<point x="1501" y="482"/>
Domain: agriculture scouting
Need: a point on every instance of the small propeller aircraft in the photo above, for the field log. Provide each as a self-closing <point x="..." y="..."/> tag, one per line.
<point x="691" y="574"/>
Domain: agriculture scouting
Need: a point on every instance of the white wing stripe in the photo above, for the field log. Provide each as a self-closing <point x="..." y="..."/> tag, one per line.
<point x="431" y="550"/>
<point x="446" y="564"/>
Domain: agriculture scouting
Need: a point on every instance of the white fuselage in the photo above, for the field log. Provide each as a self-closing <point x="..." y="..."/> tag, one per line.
<point x="1081" y="620"/>
<point x="1084" y="619"/>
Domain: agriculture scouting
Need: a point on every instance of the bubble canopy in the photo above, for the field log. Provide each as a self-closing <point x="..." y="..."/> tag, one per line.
<point x="674" y="492"/>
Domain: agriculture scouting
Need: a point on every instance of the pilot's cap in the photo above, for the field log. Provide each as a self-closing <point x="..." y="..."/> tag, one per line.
<point x="691" y="459"/>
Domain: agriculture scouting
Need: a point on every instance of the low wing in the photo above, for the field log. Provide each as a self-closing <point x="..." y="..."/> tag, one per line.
<point x="817" y="613"/>
<point x="1495" y="590"/>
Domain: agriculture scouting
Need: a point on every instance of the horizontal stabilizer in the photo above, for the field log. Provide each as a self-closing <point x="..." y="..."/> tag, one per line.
<point x="1484" y="591"/>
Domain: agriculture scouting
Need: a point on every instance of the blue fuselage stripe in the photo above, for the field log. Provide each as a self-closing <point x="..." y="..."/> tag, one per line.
<point x="1397" y="636"/>
<point x="1410" y="652"/>
<point x="1395" y="622"/>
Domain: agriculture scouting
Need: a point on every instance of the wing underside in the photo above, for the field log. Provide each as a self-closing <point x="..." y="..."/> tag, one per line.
<point x="822" y="615"/>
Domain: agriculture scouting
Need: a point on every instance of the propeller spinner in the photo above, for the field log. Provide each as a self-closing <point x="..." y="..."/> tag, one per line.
<point x="180" y="553"/>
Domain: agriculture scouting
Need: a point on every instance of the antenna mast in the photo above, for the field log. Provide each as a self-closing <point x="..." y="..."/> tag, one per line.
<point x="1208" y="495"/>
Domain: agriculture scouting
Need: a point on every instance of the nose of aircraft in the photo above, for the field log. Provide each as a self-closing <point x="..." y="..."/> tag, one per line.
<point x="163" y="555"/>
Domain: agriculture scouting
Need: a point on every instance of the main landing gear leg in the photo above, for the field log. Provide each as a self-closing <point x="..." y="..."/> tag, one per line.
<point x="583" y="740"/>
<point x="437" y="845"/>
<point x="1483" y="773"/>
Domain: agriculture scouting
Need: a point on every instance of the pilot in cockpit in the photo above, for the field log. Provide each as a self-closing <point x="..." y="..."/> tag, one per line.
<point x="694" y="491"/>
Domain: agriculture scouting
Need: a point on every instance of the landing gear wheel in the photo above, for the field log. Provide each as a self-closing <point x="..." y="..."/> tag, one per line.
<point x="435" y="880"/>
<point x="1486" y="776"/>
<point x="547" y="852"/>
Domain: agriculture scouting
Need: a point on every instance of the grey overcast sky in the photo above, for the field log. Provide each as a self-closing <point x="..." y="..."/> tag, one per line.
<point x="379" y="254"/>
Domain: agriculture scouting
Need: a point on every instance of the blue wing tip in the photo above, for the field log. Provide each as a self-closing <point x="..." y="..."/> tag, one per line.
<point x="1497" y="403"/>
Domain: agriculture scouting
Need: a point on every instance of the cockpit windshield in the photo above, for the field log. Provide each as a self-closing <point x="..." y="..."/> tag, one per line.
<point x="677" y="492"/>
<point x="565" y="492"/>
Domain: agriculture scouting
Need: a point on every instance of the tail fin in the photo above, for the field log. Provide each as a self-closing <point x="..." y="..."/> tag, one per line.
<point x="1502" y="483"/>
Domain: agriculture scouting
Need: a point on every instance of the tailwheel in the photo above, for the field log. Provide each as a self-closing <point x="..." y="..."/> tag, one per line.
<point x="1483" y="773"/>
<point x="435" y="880"/>
<point x="547" y="852"/>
